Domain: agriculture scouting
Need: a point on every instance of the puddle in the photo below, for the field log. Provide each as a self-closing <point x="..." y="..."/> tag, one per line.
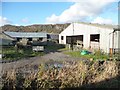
<point x="54" y="65"/>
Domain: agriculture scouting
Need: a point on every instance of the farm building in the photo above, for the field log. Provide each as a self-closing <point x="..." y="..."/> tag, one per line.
<point x="91" y="36"/>
<point x="53" y="37"/>
<point x="25" y="37"/>
<point x="6" y="40"/>
<point x="35" y="38"/>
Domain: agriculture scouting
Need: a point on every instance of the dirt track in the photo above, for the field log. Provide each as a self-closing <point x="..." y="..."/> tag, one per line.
<point x="35" y="61"/>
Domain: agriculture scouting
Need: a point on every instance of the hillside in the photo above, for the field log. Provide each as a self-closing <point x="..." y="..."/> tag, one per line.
<point x="49" y="28"/>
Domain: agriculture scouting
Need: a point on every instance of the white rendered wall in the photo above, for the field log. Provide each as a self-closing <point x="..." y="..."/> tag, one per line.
<point x="119" y="39"/>
<point x="86" y="30"/>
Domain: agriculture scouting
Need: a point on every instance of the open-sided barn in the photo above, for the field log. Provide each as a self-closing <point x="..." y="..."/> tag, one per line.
<point x="25" y="37"/>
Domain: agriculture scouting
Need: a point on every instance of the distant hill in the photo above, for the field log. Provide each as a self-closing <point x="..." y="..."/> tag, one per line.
<point x="49" y="28"/>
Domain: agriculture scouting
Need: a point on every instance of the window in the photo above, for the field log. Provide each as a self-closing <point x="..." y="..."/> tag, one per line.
<point x="62" y="37"/>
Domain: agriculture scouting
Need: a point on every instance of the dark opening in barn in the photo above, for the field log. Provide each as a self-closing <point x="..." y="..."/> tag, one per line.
<point x="62" y="37"/>
<point x="76" y="40"/>
<point x="95" y="41"/>
<point x="29" y="39"/>
<point x="18" y="39"/>
<point x="40" y="39"/>
<point x="95" y="37"/>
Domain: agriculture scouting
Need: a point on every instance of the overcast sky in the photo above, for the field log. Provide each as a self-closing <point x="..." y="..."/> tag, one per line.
<point x="27" y="13"/>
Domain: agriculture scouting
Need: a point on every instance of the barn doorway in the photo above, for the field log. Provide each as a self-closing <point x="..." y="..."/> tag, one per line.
<point x="95" y="41"/>
<point x="75" y="42"/>
<point x="29" y="39"/>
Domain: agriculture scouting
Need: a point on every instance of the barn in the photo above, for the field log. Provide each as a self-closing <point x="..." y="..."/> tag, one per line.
<point x="91" y="36"/>
<point x="26" y="37"/>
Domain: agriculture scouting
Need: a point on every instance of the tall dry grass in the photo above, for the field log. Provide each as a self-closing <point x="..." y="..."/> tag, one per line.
<point x="78" y="74"/>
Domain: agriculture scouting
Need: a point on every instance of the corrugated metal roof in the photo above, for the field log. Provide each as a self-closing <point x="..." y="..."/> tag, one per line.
<point x="26" y="34"/>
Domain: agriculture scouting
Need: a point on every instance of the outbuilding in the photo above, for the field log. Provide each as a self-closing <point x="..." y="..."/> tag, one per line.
<point x="25" y="37"/>
<point x="91" y="36"/>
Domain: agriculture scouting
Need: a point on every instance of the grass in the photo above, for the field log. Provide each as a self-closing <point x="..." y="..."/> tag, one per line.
<point x="10" y="53"/>
<point x="54" y="47"/>
<point x="97" y="55"/>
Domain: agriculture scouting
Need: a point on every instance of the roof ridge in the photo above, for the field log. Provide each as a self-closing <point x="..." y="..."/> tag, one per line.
<point x="98" y="24"/>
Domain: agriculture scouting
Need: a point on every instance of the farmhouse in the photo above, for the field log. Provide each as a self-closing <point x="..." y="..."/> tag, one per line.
<point x="91" y="36"/>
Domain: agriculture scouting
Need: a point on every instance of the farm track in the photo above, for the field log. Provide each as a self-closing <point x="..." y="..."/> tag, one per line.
<point x="34" y="62"/>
